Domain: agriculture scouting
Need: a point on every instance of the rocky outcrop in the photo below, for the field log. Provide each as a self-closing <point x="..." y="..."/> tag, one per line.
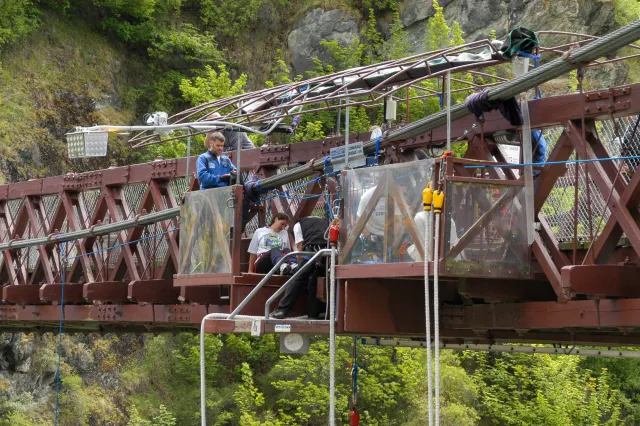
<point x="315" y="26"/>
<point x="478" y="17"/>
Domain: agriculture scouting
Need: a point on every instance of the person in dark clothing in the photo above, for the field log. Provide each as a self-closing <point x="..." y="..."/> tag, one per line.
<point x="232" y="138"/>
<point x="214" y="169"/>
<point x="309" y="236"/>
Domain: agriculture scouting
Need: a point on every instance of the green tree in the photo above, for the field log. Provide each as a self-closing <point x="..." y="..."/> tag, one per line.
<point x="372" y="40"/>
<point x="212" y="85"/>
<point x="519" y="389"/>
<point x="17" y="18"/>
<point x="280" y="72"/>
<point x="397" y="46"/>
<point x="437" y="30"/>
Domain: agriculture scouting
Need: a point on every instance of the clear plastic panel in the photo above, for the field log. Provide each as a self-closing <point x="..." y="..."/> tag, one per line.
<point x="205" y="229"/>
<point x="380" y="208"/>
<point x="485" y="231"/>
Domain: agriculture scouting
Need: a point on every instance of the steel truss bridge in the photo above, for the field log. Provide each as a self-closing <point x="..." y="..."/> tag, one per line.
<point x="578" y="282"/>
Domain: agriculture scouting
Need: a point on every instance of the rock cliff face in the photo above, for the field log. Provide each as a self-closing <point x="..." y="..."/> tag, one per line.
<point x="315" y="26"/>
<point x="476" y="17"/>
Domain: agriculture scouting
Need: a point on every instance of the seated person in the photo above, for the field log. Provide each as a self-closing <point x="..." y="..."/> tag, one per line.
<point x="309" y="236"/>
<point x="269" y="245"/>
<point x="214" y="169"/>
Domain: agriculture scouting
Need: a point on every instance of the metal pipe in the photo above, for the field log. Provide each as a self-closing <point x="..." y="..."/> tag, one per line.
<point x="346" y="132"/>
<point x="188" y="177"/>
<point x="611" y="42"/>
<point x="448" y="111"/>
<point x="266" y="278"/>
<point x="267" y="305"/>
<point x="332" y="339"/>
<point x="94" y="231"/>
<point x="609" y="353"/>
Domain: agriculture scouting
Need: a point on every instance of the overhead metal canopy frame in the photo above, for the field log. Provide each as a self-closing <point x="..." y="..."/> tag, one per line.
<point x="368" y="86"/>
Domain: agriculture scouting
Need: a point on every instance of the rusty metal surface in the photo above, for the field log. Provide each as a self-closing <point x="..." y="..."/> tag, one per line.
<point x="134" y="288"/>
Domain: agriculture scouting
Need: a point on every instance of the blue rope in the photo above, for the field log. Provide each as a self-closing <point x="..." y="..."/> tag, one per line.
<point x="63" y="264"/>
<point x="63" y="267"/>
<point x="630" y="157"/>
<point x="378" y="146"/>
<point x="536" y="62"/>
<point x="355" y="366"/>
<point x="536" y="58"/>
<point x="441" y="95"/>
<point x="286" y="193"/>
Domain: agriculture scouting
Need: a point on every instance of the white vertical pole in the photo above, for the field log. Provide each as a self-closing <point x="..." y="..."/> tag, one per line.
<point x="332" y="339"/>
<point x="448" y="111"/>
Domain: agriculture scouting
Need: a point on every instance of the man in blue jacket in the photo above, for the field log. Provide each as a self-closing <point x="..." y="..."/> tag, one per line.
<point x="214" y="169"/>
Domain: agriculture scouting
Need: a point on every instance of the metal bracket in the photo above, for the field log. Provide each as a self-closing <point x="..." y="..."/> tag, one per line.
<point x="275" y="155"/>
<point x="164" y="169"/>
<point x="108" y="313"/>
<point x="179" y="314"/>
<point x="8" y="313"/>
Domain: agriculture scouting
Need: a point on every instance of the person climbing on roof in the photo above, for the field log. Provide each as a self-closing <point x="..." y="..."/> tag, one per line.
<point x="233" y="137"/>
<point x="269" y="244"/>
<point x="309" y="236"/>
<point x="214" y="169"/>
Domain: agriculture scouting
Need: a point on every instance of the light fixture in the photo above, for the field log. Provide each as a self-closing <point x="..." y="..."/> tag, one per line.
<point x="83" y="143"/>
<point x="158" y="118"/>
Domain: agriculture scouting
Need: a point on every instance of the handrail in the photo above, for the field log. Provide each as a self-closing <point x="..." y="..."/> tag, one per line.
<point x="265" y="279"/>
<point x="267" y="305"/>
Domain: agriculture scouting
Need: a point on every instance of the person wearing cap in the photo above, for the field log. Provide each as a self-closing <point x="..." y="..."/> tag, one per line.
<point x="214" y="169"/>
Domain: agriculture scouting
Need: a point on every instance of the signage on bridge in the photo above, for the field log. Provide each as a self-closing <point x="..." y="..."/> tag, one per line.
<point x="356" y="156"/>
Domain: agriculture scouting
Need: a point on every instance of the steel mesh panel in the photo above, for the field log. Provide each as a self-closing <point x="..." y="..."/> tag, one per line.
<point x="621" y="138"/>
<point x="592" y="212"/>
<point x="50" y="203"/>
<point x="90" y="199"/>
<point x="14" y="206"/>
<point x="178" y="187"/>
<point x="251" y="227"/>
<point x="133" y="195"/>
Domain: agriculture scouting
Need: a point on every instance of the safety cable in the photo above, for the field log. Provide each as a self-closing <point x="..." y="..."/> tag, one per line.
<point x="63" y="270"/>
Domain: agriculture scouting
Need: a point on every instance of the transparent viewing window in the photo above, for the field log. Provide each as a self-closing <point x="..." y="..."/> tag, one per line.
<point x="486" y="231"/>
<point x="205" y="229"/>
<point x="382" y="213"/>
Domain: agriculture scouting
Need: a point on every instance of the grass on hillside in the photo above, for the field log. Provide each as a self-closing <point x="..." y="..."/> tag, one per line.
<point x="62" y="75"/>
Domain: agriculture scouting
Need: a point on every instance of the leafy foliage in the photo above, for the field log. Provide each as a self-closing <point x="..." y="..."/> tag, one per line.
<point x="17" y="18"/>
